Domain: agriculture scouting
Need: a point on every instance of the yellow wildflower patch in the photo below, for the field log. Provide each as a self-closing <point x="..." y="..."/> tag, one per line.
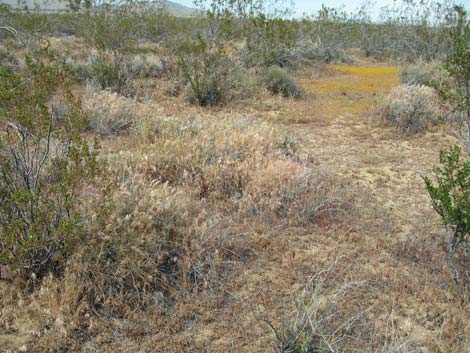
<point x="353" y="92"/>
<point x="362" y="80"/>
<point x="367" y="70"/>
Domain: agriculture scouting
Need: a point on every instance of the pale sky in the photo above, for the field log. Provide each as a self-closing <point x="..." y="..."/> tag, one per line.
<point x="312" y="6"/>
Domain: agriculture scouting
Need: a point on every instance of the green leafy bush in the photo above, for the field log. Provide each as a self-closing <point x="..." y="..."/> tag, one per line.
<point x="277" y="81"/>
<point x="450" y="196"/>
<point x="209" y="71"/>
<point x="43" y="163"/>
<point x="108" y="72"/>
<point x="111" y="30"/>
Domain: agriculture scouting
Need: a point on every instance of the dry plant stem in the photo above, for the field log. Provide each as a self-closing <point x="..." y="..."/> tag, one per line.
<point x="454" y="241"/>
<point x="25" y="163"/>
<point x="11" y="30"/>
<point x="467" y="92"/>
<point x="466" y="260"/>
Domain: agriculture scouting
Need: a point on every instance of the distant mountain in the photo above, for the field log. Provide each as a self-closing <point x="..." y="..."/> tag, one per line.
<point x="177" y="9"/>
<point x="61" y="5"/>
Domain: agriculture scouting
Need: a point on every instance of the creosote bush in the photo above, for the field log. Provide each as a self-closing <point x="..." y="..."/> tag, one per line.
<point x="412" y="108"/>
<point x="458" y="65"/>
<point x="108" y="72"/>
<point x="450" y="196"/>
<point x="277" y="81"/>
<point x="211" y="75"/>
<point x="44" y="162"/>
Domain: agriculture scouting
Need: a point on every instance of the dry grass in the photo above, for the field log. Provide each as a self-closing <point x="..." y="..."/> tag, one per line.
<point x="109" y="113"/>
<point x="213" y="219"/>
<point x="327" y="317"/>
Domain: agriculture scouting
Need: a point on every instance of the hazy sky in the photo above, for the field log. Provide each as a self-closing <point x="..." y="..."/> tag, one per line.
<point x="310" y="6"/>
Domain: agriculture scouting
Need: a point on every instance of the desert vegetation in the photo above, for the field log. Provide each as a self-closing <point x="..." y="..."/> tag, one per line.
<point x="234" y="179"/>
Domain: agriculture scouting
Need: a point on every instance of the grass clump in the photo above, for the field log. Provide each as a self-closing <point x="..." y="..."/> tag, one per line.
<point x="133" y="254"/>
<point x="148" y="66"/>
<point x="412" y="108"/>
<point x="330" y="320"/>
<point x="109" y="113"/>
<point x="277" y="81"/>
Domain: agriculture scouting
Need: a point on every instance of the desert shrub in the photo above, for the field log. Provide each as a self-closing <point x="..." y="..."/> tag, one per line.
<point x="450" y="195"/>
<point x="111" y="33"/>
<point x="268" y="41"/>
<point x="307" y="53"/>
<point x="43" y="164"/>
<point x="109" y="113"/>
<point x="110" y="28"/>
<point x="277" y="81"/>
<point x="209" y="72"/>
<point x="431" y="74"/>
<point x="120" y="73"/>
<point x="411" y="108"/>
<point x="7" y="46"/>
<point x="107" y="71"/>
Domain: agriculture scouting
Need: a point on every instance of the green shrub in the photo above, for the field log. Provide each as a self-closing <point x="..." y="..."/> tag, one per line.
<point x="43" y="164"/>
<point x="450" y="196"/>
<point x="108" y="72"/>
<point x="112" y="32"/>
<point x="277" y="81"/>
<point x="210" y="73"/>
